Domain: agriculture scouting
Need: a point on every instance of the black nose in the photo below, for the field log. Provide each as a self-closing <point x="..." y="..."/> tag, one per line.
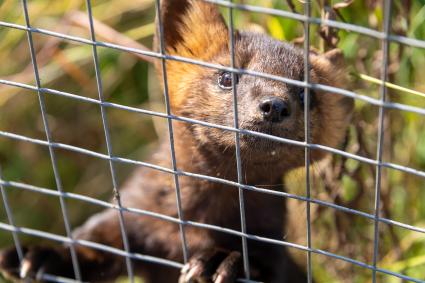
<point x="274" y="109"/>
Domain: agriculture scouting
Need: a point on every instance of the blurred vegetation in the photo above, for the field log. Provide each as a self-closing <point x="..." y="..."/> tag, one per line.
<point x="127" y="80"/>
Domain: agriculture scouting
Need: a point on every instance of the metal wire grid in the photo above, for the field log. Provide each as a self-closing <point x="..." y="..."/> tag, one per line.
<point x="108" y="143"/>
<point x="170" y="131"/>
<point x="379" y="150"/>
<point x="237" y="143"/>
<point x="384" y="36"/>
<point x="307" y="150"/>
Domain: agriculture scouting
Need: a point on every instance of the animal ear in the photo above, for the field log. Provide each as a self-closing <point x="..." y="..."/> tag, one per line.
<point x="331" y="62"/>
<point x="190" y="28"/>
<point x="335" y="57"/>
<point x="331" y="65"/>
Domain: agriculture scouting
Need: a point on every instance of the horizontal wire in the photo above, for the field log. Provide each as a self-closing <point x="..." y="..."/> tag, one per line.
<point x="335" y="90"/>
<point x="90" y="244"/>
<point x="203" y="177"/>
<point x="57" y="279"/>
<point x="105" y="204"/>
<point x="152" y="259"/>
<point x="390" y="165"/>
<point x="414" y="42"/>
<point x="339" y="25"/>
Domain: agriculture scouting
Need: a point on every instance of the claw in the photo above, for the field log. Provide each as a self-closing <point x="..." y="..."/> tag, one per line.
<point x="210" y="266"/>
<point x="219" y="279"/>
<point x="194" y="272"/>
<point x="185" y="268"/>
<point x="25" y="268"/>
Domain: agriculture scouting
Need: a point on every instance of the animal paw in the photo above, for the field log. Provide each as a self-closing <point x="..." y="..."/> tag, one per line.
<point x="212" y="266"/>
<point x="36" y="262"/>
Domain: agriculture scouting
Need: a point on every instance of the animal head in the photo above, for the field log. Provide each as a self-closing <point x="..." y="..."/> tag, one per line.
<point x="196" y="30"/>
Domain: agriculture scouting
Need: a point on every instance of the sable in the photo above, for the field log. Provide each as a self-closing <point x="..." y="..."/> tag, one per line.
<point x="196" y="29"/>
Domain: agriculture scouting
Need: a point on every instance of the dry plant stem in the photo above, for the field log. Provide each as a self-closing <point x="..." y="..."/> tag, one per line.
<point x="291" y="6"/>
<point x="328" y="34"/>
<point x="47" y="51"/>
<point x="77" y="18"/>
<point x="108" y="33"/>
<point x="50" y="48"/>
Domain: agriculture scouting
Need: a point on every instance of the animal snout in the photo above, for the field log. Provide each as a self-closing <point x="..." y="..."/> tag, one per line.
<point x="274" y="109"/>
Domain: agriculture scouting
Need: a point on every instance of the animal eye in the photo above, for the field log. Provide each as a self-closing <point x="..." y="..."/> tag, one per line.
<point x="225" y="80"/>
<point x="312" y="98"/>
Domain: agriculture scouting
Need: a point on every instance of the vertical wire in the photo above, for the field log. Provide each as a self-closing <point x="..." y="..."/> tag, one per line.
<point x="11" y="221"/>
<point x="171" y="133"/>
<point x="58" y="180"/>
<point x="237" y="143"/>
<point x="307" y="151"/>
<point x="379" y="150"/>
<point x="105" y="124"/>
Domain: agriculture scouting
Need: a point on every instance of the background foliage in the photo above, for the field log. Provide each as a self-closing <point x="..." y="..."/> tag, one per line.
<point x="127" y="80"/>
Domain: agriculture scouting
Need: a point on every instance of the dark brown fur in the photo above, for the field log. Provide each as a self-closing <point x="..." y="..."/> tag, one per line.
<point x="197" y="30"/>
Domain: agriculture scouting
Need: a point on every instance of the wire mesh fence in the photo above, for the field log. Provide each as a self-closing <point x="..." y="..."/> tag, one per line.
<point x="378" y="162"/>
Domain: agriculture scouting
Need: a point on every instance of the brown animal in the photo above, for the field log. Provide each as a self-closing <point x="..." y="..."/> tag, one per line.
<point x="196" y="29"/>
